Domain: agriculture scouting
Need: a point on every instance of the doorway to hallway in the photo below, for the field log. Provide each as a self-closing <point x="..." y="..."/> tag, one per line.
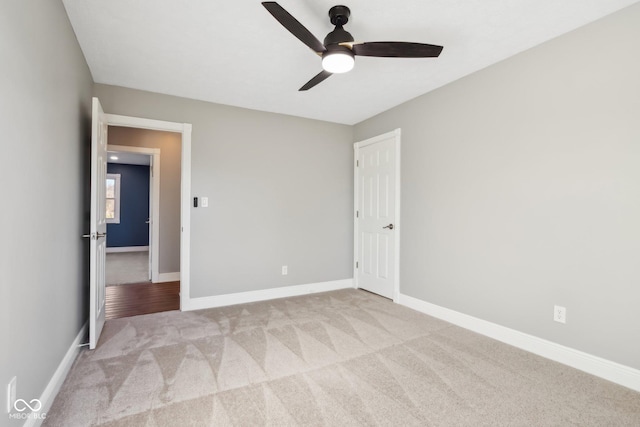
<point x="131" y="212"/>
<point x="143" y="240"/>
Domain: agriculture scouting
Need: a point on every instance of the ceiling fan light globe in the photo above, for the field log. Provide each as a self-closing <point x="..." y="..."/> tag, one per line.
<point x="338" y="62"/>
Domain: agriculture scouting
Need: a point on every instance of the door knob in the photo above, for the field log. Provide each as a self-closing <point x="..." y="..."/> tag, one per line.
<point x="94" y="236"/>
<point x="390" y="226"/>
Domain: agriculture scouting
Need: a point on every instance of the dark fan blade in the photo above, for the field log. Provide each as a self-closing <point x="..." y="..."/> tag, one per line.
<point x="295" y="27"/>
<point x="320" y="77"/>
<point x="397" y="50"/>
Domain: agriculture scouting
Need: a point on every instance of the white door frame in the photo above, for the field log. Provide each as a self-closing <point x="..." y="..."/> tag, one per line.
<point x="356" y="243"/>
<point x="185" y="187"/>
<point x="155" y="201"/>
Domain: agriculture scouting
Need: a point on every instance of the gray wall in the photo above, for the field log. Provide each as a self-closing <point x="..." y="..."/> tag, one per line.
<point x="45" y="99"/>
<point x="520" y="190"/>
<point x="280" y="192"/>
<point x="169" y="144"/>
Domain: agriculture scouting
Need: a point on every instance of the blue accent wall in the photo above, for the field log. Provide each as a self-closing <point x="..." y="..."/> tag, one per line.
<point x="134" y="207"/>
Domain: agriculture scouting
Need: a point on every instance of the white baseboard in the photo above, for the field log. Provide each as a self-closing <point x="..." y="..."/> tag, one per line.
<point x="167" y="277"/>
<point x="128" y="249"/>
<point x="265" y="294"/>
<point x="594" y="365"/>
<point x="50" y="392"/>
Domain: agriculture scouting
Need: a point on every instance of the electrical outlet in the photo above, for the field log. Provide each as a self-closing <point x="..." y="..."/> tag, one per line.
<point x="285" y="270"/>
<point x="559" y="314"/>
<point x="11" y="394"/>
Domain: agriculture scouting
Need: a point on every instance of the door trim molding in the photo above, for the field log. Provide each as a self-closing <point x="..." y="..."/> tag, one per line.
<point x="155" y="153"/>
<point x="185" y="187"/>
<point x="397" y="225"/>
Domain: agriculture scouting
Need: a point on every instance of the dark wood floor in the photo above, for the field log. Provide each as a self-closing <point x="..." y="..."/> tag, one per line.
<point x="141" y="298"/>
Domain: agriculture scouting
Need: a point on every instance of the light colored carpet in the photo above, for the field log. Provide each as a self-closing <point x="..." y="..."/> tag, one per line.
<point x="127" y="267"/>
<point x="341" y="358"/>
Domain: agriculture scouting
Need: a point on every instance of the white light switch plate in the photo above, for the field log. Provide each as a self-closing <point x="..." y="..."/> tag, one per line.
<point x="204" y="202"/>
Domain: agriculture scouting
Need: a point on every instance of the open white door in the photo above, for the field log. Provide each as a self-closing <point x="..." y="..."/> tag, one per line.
<point x="377" y="203"/>
<point x="98" y="230"/>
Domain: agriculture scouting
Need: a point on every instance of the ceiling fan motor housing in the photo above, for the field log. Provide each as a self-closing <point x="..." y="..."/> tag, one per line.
<point x="338" y="35"/>
<point x="339" y="15"/>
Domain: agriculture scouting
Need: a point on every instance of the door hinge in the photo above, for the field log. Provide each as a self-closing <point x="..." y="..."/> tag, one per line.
<point x="357" y="214"/>
<point x="357" y="163"/>
<point x="356" y="264"/>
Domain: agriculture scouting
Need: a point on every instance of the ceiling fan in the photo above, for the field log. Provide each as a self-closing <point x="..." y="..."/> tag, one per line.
<point x="339" y="49"/>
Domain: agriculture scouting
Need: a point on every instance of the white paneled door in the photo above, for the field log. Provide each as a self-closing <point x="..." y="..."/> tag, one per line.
<point x="377" y="214"/>
<point x="98" y="223"/>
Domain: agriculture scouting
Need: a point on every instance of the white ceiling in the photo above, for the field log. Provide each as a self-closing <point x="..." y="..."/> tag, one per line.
<point x="235" y="53"/>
